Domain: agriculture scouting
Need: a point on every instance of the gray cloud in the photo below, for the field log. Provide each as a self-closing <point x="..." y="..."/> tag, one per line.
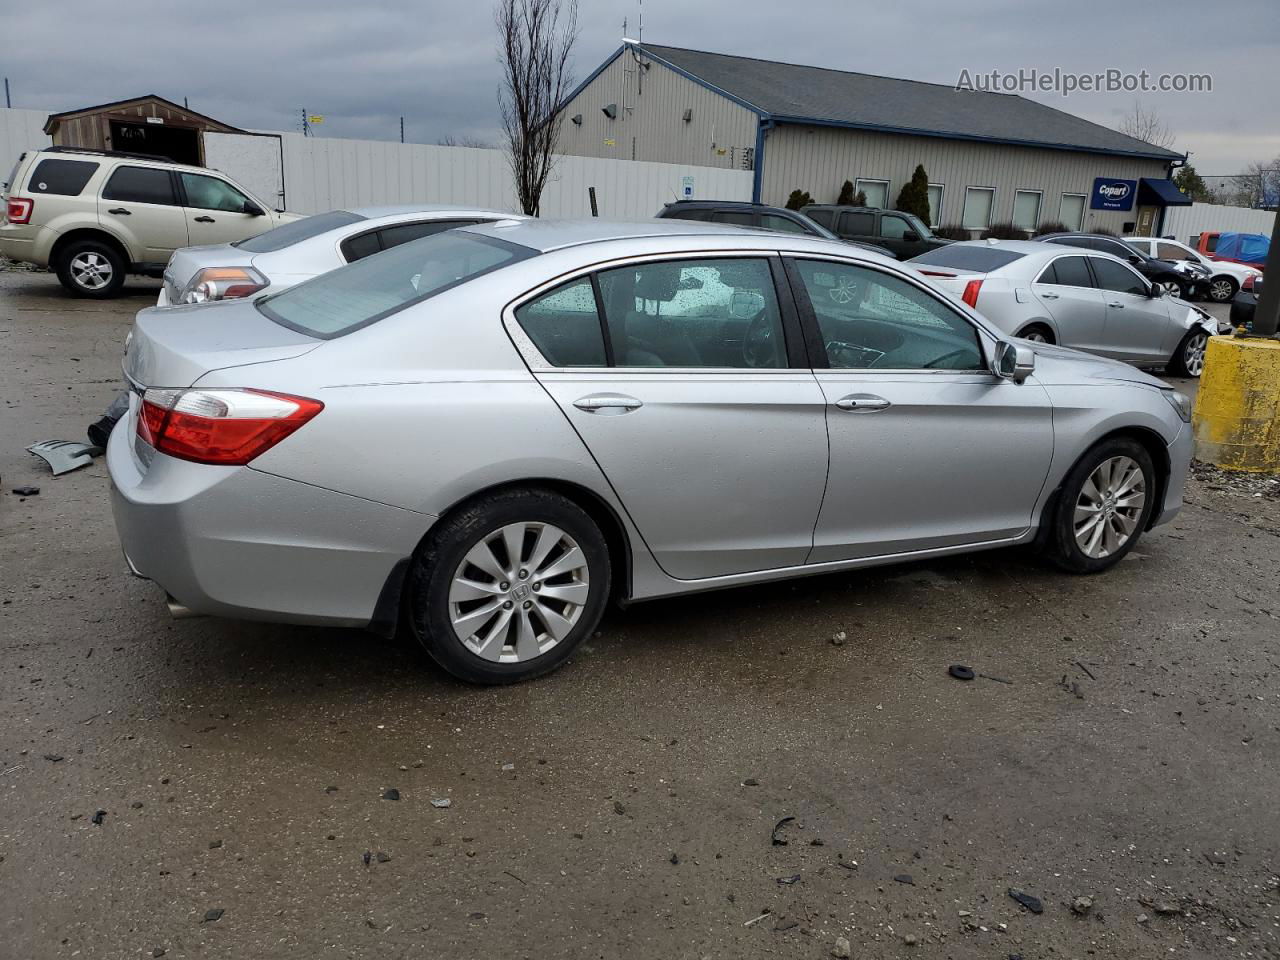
<point x="258" y="64"/>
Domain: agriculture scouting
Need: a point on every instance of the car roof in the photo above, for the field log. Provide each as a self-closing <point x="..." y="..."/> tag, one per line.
<point x="850" y="207"/>
<point x="725" y="203"/>
<point x="402" y="209"/>
<point x="1025" y="247"/>
<point x="547" y="235"/>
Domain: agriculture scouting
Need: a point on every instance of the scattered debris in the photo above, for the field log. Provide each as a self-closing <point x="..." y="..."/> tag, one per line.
<point x="53" y="757"/>
<point x="987" y="676"/>
<point x="508" y="767"/>
<point x="786" y="881"/>
<point x="1143" y="918"/>
<point x="63" y="456"/>
<point x="759" y="918"/>
<point x="960" y="671"/>
<point x="368" y="857"/>
<point x="675" y="858"/>
<point x="847" y="864"/>
<point x="782" y="926"/>
<point x="383" y="857"/>
<point x="158" y="952"/>
<point x="841" y="948"/>
<point x="838" y="638"/>
<point x="514" y="877"/>
<point x="215" y="844"/>
<point x="751" y="782"/>
<point x="1086" y="670"/>
<point x="136" y="805"/>
<point x="330" y="789"/>
<point x="391" y="793"/>
<point x="1081" y="905"/>
<point x="1031" y="903"/>
<point x="1163" y="907"/>
<point x="98" y="818"/>
<point x="777" y="840"/>
<point x="619" y="808"/>
<point x="910" y="939"/>
<point x="440" y="803"/>
<point x="905" y="878"/>
<point x="1072" y="687"/>
<point x="214" y="915"/>
<point x="27" y="491"/>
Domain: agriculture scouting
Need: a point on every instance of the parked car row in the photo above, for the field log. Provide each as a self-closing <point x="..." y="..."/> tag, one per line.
<point x="1224" y="277"/>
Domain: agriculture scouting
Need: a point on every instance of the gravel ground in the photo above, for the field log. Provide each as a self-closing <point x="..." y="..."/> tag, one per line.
<point x="207" y="788"/>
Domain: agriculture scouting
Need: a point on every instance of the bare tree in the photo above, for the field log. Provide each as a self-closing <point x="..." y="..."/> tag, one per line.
<point x="449" y="140"/>
<point x="536" y="40"/>
<point x="1146" y="125"/>
<point x="1257" y="186"/>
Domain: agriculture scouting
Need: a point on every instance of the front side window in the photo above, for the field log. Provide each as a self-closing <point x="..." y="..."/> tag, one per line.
<point x="1067" y="272"/>
<point x="894" y="228"/>
<point x="1171" y="251"/>
<point x="1117" y="277"/>
<point x="66" y="178"/>
<point x="565" y="326"/>
<point x="694" y="313"/>
<point x="210" y="193"/>
<point x="343" y="300"/>
<point x="874" y="320"/>
<point x="140" y="185"/>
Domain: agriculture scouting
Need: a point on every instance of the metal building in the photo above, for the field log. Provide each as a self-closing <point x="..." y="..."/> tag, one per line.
<point x="990" y="157"/>
<point x="149" y="125"/>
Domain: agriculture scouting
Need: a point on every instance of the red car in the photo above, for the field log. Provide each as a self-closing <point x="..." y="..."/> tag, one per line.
<point x="1247" y="248"/>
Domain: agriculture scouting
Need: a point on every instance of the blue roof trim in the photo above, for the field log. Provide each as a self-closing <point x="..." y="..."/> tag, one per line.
<point x="949" y="135"/>
<point x="698" y="80"/>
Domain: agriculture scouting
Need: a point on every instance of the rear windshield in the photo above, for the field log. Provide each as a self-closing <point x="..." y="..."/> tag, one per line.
<point x="979" y="259"/>
<point x="66" y="178"/>
<point x="364" y="292"/>
<point x="298" y="230"/>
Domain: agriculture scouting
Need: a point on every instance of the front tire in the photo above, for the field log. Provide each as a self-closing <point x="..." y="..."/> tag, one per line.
<point x="1222" y="289"/>
<point x="1175" y="288"/>
<point x="1037" y="333"/>
<point x="1188" y="359"/>
<point x="91" y="268"/>
<point x="1103" y="507"/>
<point x="506" y="588"/>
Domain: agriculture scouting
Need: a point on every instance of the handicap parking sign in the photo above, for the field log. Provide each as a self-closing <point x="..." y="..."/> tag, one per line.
<point x="686" y="189"/>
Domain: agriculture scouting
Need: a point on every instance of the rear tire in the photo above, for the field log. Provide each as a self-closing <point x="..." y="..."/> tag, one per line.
<point x="1222" y="289"/>
<point x="1103" y="507"/>
<point x="1037" y="333"/>
<point x="91" y="268"/>
<point x="523" y="615"/>
<point x="1188" y="359"/>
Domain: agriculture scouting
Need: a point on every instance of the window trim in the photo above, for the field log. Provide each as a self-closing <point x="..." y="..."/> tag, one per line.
<point x="792" y="325"/>
<point x="942" y="196"/>
<point x="818" y="361"/>
<point x="888" y="185"/>
<point x="1039" y="208"/>
<point x="1062" y="256"/>
<point x="991" y="209"/>
<point x="1084" y="206"/>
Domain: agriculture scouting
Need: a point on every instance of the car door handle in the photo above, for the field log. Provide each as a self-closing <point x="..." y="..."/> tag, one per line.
<point x="204" y="220"/>
<point x="1115" y="303"/>
<point x="121" y="212"/>
<point x="862" y="403"/>
<point x="607" y="403"/>
<point x="1049" y="296"/>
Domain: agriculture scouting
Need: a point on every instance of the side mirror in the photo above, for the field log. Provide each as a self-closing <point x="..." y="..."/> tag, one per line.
<point x="1155" y="291"/>
<point x="1134" y="258"/>
<point x="911" y="236"/>
<point x="1014" y="361"/>
<point x="252" y="209"/>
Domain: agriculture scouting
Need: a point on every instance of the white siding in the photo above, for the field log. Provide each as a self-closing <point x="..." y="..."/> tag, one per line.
<point x="20" y="130"/>
<point x="322" y="174"/>
<point x="820" y="159"/>
<point x="1182" y="223"/>
<point x="650" y="124"/>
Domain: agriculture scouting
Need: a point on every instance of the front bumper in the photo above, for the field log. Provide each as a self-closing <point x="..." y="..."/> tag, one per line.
<point x="1180" y="451"/>
<point x="236" y="542"/>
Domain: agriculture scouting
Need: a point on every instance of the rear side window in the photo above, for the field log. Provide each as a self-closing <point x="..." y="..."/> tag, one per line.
<point x="296" y="231"/>
<point x="735" y="217"/>
<point x="361" y="246"/>
<point x="1067" y="272"/>
<point x="960" y="256"/>
<point x="65" y="178"/>
<point x="336" y="303"/>
<point x="772" y="221"/>
<point x="140" y="185"/>
<point x="404" y="232"/>
<point x="683" y="213"/>
<point x="824" y="217"/>
<point x="565" y="326"/>
<point x="857" y="224"/>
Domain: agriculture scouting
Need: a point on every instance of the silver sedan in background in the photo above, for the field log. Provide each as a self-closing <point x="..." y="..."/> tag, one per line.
<point x="302" y="249"/>
<point x="488" y="434"/>
<point x="1075" y="297"/>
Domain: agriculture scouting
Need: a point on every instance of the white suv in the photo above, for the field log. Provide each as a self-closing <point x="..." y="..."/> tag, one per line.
<point x="1227" y="277"/>
<point x="95" y="216"/>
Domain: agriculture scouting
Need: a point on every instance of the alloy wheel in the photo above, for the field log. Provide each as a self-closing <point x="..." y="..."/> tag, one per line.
<point x="1035" y="336"/>
<point x="91" y="270"/>
<point x="1221" y="290"/>
<point x="1172" y="288"/>
<point x="519" y="592"/>
<point x="1193" y="353"/>
<point x="1109" y="507"/>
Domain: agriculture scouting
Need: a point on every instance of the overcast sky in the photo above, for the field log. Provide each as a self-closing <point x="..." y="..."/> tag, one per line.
<point x="258" y="63"/>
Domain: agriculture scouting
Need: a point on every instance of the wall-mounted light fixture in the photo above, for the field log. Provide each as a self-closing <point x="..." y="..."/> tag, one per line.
<point x="610" y="111"/>
<point x="688" y="114"/>
<point x="577" y="119"/>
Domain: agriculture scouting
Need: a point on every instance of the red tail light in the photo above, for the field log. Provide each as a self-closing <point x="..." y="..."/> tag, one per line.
<point x="19" y="210"/>
<point x="970" y="295"/>
<point x="225" y="427"/>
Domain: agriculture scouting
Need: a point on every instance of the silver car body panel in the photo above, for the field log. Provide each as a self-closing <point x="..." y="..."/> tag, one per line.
<point x="1136" y="329"/>
<point x="719" y="478"/>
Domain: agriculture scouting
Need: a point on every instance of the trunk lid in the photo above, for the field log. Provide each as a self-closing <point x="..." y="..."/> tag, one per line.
<point x="188" y="261"/>
<point x="176" y="346"/>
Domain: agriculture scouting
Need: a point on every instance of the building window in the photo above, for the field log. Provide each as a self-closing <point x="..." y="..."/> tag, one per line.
<point x="1071" y="210"/>
<point x="978" y="202"/>
<point x="935" y="204"/>
<point x="877" y="191"/>
<point x="1026" y="209"/>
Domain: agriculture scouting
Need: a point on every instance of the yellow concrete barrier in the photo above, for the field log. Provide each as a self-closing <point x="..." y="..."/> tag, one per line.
<point x="1237" y="412"/>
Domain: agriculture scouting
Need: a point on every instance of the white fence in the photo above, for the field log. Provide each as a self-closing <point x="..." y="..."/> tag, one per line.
<point x="20" y="130"/>
<point x="314" y="174"/>
<point x="1183" y="223"/>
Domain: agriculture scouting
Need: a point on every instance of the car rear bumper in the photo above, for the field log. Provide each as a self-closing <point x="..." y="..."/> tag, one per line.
<point x="236" y="542"/>
<point x="26" y="249"/>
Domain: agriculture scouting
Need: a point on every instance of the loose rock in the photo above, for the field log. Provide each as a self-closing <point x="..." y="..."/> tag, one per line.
<point x="1081" y="905"/>
<point x="841" y="948"/>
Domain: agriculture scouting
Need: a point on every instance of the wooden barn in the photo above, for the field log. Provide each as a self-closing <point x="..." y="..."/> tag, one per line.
<point x="149" y="125"/>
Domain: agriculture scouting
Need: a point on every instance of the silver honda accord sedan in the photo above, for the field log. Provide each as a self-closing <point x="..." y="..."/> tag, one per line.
<point x="486" y="435"/>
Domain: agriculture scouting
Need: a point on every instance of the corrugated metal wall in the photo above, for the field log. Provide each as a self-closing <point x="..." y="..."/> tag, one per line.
<point x="820" y="159"/>
<point x="20" y="130"/>
<point x="321" y="174"/>
<point x="650" y="124"/>
<point x="1182" y="223"/>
